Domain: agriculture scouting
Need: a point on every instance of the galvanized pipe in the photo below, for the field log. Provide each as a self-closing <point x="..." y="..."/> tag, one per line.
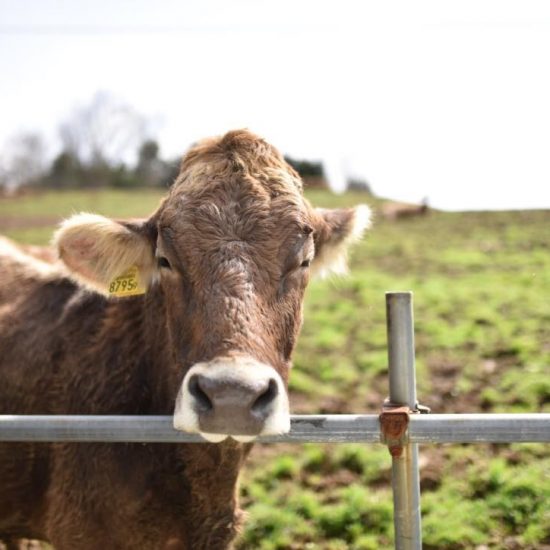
<point x="399" y="320"/>
<point x="405" y="474"/>
<point x="158" y="429"/>
<point x="338" y="428"/>
<point x="479" y="428"/>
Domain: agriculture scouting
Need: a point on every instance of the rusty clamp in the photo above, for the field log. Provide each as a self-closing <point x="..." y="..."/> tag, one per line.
<point x="394" y="421"/>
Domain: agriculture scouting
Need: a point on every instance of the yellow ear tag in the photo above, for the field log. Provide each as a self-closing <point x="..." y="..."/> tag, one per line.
<point x="127" y="284"/>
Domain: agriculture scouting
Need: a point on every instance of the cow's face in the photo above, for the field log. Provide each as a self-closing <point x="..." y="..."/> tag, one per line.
<point x="229" y="252"/>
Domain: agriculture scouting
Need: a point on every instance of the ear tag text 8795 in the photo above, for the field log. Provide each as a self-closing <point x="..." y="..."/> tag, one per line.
<point x="127" y="284"/>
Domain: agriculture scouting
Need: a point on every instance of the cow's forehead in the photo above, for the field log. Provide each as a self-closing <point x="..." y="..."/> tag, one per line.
<point x="234" y="210"/>
<point x="235" y="186"/>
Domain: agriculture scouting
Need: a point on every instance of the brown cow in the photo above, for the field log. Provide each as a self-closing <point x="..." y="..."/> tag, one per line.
<point x="401" y="210"/>
<point x="215" y="281"/>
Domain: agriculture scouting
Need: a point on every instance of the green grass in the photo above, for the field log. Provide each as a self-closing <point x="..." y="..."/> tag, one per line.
<point x="32" y="218"/>
<point x="482" y="315"/>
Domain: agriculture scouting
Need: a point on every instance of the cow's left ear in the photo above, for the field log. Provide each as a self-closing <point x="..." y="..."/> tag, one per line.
<point x="98" y="250"/>
<point x="335" y="231"/>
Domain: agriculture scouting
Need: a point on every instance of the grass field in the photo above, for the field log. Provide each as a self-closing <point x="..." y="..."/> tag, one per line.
<point x="482" y="311"/>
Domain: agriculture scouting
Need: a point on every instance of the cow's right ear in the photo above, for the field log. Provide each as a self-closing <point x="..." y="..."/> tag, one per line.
<point x="98" y="250"/>
<point x="335" y="230"/>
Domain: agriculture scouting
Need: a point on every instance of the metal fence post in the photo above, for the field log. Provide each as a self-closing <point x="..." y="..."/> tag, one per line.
<point x="405" y="475"/>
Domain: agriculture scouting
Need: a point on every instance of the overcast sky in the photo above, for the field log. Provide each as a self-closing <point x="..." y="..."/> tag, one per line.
<point x="448" y="100"/>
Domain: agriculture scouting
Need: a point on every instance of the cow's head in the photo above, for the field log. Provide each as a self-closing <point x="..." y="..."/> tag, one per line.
<point x="229" y="253"/>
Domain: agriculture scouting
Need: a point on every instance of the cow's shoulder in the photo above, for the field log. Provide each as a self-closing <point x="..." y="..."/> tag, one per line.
<point x="24" y="268"/>
<point x="27" y="273"/>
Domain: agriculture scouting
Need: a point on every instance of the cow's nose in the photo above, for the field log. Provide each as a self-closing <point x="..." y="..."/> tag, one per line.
<point x="226" y="404"/>
<point x="233" y="395"/>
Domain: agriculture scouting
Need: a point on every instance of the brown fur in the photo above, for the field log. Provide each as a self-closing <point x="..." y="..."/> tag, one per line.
<point x="398" y="210"/>
<point x="235" y="229"/>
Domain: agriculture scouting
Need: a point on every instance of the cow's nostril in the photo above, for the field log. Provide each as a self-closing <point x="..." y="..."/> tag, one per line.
<point x="202" y="400"/>
<point x="264" y="400"/>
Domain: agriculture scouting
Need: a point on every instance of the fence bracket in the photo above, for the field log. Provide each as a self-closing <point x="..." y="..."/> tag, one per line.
<point x="394" y="422"/>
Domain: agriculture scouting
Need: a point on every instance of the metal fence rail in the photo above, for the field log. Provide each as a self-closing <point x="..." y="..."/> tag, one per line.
<point x="335" y="428"/>
<point x="400" y="426"/>
<point x="330" y="429"/>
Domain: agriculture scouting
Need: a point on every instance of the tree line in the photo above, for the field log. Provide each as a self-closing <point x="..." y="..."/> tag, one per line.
<point x="107" y="143"/>
<point x="103" y="144"/>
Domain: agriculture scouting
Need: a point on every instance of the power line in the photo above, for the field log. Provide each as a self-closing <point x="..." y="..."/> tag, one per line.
<point x="98" y="30"/>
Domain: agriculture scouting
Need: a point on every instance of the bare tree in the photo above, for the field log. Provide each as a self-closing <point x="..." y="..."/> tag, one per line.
<point x="105" y="132"/>
<point x="151" y="169"/>
<point x="23" y="160"/>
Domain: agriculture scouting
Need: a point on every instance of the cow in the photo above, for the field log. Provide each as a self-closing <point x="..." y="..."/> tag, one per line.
<point x="399" y="210"/>
<point x="194" y="313"/>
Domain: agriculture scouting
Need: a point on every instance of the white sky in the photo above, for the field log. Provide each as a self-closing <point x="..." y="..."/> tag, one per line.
<point x="448" y="100"/>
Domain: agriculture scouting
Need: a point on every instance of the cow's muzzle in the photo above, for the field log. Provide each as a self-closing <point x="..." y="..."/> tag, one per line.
<point x="232" y="396"/>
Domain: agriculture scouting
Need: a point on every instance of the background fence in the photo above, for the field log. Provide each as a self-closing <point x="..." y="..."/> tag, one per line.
<point x="401" y="426"/>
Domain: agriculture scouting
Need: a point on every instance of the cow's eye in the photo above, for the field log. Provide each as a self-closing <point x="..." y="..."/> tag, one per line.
<point x="305" y="263"/>
<point x="163" y="262"/>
